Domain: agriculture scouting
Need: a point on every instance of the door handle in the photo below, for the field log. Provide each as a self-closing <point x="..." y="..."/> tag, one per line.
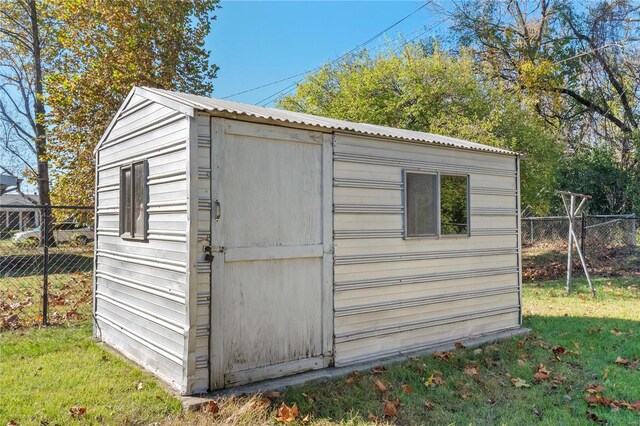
<point x="217" y="210"/>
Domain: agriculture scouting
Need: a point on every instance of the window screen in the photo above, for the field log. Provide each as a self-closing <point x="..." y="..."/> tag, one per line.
<point x="133" y="208"/>
<point x="453" y="205"/>
<point x="421" y="204"/>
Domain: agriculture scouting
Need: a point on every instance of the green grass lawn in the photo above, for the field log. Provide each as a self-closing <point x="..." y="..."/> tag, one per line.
<point x="45" y="372"/>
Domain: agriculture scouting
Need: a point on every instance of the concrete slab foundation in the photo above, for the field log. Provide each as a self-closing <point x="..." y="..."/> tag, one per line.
<point x="194" y="402"/>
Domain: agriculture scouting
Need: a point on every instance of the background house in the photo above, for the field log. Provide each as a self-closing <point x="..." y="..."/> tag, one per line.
<point x="22" y="216"/>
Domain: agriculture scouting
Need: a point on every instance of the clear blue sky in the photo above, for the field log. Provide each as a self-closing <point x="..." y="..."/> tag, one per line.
<point x="257" y="42"/>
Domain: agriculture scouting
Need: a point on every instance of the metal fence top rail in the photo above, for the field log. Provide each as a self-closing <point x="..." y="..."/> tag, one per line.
<point x="38" y="206"/>
<point x="598" y="216"/>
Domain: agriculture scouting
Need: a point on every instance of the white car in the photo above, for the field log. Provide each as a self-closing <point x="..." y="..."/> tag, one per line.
<point x="62" y="233"/>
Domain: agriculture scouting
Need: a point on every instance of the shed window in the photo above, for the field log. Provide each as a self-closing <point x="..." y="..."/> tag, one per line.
<point x="453" y="205"/>
<point x="436" y="204"/>
<point x="133" y="200"/>
<point x="422" y="204"/>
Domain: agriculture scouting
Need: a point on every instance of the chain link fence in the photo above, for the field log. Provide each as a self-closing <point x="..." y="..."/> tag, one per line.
<point x="609" y="243"/>
<point x="46" y="264"/>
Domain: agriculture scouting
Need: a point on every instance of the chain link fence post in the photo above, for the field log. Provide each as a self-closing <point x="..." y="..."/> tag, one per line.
<point x="45" y="273"/>
<point x="583" y="233"/>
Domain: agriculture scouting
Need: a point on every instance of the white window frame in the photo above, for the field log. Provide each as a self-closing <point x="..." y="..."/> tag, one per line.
<point x="438" y="233"/>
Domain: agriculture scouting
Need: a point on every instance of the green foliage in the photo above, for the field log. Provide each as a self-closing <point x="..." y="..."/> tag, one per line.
<point x="105" y="48"/>
<point x="596" y="171"/>
<point x="432" y="91"/>
<point x="453" y="204"/>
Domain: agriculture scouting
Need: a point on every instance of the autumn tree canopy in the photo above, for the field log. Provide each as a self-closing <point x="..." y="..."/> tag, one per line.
<point x="67" y="65"/>
<point x="429" y="90"/>
<point x="105" y="49"/>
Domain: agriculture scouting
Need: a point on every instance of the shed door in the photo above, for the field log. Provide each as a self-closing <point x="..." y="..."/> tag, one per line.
<point x="272" y="279"/>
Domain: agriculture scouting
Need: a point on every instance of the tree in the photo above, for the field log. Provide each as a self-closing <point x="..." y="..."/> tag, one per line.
<point x="105" y="49"/>
<point x="597" y="172"/>
<point x="22" y="55"/>
<point x="577" y="63"/>
<point x="429" y="90"/>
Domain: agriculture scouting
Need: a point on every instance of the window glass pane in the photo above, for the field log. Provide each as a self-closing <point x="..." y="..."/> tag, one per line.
<point x="421" y="204"/>
<point x="453" y="205"/>
<point x="125" y="201"/>
<point x="138" y="200"/>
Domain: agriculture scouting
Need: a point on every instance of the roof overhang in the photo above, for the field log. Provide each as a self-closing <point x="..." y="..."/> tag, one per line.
<point x="190" y="104"/>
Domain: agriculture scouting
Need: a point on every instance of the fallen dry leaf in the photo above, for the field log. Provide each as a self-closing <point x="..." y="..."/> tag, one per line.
<point x="210" y="407"/>
<point x="541" y="373"/>
<point x="305" y="420"/>
<point x="77" y="411"/>
<point x="391" y="408"/>
<point x="595" y="330"/>
<point x="272" y="394"/>
<point x="311" y="398"/>
<point x="408" y="389"/>
<point x="617" y="332"/>
<point x="521" y="363"/>
<point x="470" y="371"/>
<point x="622" y="361"/>
<point x="139" y="387"/>
<point x="434" y="380"/>
<point x="429" y="405"/>
<point x="287" y="414"/>
<point x="559" y="350"/>
<point x="464" y="393"/>
<point x="595" y="400"/>
<point x="443" y="355"/>
<point x="372" y="418"/>
<point x="378" y="369"/>
<point x="356" y="375"/>
<point x="520" y="383"/>
<point x="459" y="345"/>
<point x="381" y="387"/>
<point x="595" y="388"/>
<point x="559" y="379"/>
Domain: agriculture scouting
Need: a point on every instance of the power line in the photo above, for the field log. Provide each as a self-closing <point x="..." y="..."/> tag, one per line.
<point x="292" y="86"/>
<point x="335" y="60"/>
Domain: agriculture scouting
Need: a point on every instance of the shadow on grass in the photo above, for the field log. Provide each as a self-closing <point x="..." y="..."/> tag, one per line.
<point x="489" y="397"/>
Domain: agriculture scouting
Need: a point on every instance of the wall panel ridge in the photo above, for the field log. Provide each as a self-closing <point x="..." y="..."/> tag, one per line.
<point x="394" y="294"/>
<point x="140" y="285"/>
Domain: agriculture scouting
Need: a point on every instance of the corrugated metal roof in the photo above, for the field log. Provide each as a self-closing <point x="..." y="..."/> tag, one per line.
<point x="282" y="116"/>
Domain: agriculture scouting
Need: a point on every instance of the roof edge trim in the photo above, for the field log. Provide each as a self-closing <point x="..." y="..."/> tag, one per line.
<point x="152" y="95"/>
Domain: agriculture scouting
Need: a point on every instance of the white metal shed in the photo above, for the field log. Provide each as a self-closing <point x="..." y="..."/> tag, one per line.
<point x="236" y="243"/>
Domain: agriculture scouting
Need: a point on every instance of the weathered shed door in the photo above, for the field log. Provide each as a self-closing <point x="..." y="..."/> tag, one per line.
<point x="272" y="270"/>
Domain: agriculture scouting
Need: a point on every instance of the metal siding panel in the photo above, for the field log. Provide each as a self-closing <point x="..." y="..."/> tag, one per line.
<point x="420" y="339"/>
<point x="140" y="286"/>
<point x="394" y="294"/>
